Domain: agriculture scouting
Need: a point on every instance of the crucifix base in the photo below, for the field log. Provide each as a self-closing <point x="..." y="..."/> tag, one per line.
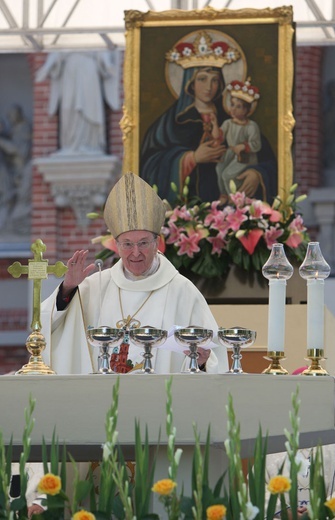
<point x="35" y="345"/>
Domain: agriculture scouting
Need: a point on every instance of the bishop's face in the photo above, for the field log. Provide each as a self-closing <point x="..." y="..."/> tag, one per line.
<point x="137" y="250"/>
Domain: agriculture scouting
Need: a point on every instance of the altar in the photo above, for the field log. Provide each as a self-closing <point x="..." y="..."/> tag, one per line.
<point x="76" y="406"/>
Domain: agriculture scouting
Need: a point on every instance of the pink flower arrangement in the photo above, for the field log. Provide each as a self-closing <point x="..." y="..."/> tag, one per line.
<point x="206" y="238"/>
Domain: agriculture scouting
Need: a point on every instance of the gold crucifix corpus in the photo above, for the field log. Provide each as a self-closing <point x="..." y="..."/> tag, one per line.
<point x="37" y="270"/>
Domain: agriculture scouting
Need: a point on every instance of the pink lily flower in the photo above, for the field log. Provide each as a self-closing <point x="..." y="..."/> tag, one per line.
<point x="297" y="224"/>
<point x="235" y="219"/>
<point x="271" y="236"/>
<point x="294" y="240"/>
<point x="218" y="243"/>
<point x="238" y="199"/>
<point x="110" y="243"/>
<point x="188" y="245"/>
<point x="175" y="233"/>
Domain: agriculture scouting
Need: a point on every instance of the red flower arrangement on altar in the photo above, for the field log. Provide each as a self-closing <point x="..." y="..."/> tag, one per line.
<point x="207" y="238"/>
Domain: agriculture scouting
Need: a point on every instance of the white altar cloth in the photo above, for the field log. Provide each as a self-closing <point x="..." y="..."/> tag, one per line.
<point x="76" y="407"/>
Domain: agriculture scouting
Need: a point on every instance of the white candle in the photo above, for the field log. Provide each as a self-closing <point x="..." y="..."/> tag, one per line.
<point x="315" y="313"/>
<point x="276" y="315"/>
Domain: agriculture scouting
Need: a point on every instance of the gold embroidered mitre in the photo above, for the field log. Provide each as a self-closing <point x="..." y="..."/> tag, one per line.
<point x="133" y="205"/>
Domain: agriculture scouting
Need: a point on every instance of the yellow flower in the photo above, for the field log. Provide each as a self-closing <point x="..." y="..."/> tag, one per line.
<point x="217" y="512"/>
<point x="279" y="484"/>
<point x="331" y="504"/>
<point x="83" y="515"/>
<point x="49" y="484"/>
<point x="164" y="487"/>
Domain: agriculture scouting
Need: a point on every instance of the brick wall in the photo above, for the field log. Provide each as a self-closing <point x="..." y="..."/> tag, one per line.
<point x="307" y="112"/>
<point x="58" y="227"/>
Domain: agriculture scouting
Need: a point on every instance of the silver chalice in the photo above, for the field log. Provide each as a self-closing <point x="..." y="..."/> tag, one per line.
<point x="236" y="338"/>
<point x="104" y="338"/>
<point x="147" y="337"/>
<point x="191" y="338"/>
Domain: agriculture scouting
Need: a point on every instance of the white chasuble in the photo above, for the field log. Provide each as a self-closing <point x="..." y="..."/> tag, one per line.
<point x="162" y="300"/>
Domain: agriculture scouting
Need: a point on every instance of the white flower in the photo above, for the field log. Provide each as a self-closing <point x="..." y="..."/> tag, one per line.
<point x="175" y="56"/>
<point x="107" y="450"/>
<point x="187" y="51"/>
<point x="171" y="441"/>
<point x="227" y="446"/>
<point x="230" y="55"/>
<point x="252" y="511"/>
<point x="177" y="456"/>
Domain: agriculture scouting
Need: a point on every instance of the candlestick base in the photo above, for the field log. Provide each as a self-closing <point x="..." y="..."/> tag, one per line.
<point x="35" y="345"/>
<point x="275" y="367"/>
<point x="315" y="355"/>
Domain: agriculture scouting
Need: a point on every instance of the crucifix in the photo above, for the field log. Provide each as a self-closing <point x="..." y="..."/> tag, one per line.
<point x="37" y="270"/>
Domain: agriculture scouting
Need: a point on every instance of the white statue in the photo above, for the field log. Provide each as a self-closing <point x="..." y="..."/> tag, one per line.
<point x="15" y="173"/>
<point x="80" y="83"/>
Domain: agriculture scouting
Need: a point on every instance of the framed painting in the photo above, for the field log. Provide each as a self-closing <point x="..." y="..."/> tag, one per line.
<point x="208" y="101"/>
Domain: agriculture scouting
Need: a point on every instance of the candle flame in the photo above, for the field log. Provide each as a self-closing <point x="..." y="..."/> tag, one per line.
<point x="316" y="275"/>
<point x="277" y="276"/>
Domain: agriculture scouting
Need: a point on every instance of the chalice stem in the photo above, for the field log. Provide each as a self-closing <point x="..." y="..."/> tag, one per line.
<point x="194" y="367"/>
<point x="147" y="366"/>
<point x="104" y="359"/>
<point x="236" y="367"/>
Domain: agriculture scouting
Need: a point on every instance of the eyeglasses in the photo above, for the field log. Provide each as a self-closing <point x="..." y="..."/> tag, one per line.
<point x="141" y="245"/>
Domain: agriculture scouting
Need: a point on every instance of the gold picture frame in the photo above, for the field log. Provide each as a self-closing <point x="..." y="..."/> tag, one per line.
<point x="262" y="40"/>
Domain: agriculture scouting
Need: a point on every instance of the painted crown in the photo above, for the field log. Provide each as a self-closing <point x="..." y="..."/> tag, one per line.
<point x="202" y="52"/>
<point x="244" y="90"/>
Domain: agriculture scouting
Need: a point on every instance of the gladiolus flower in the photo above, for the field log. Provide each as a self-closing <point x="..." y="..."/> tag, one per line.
<point x="279" y="484"/>
<point x="331" y="504"/>
<point x="83" y="515"/>
<point x="250" y="240"/>
<point x="252" y="511"/>
<point x="50" y="484"/>
<point x="216" y="512"/>
<point x="164" y="486"/>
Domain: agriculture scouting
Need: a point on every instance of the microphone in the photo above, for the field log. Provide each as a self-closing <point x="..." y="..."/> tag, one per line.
<point x="99" y="263"/>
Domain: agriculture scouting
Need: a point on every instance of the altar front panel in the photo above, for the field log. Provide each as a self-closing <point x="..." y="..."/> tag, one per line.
<point x="76" y="407"/>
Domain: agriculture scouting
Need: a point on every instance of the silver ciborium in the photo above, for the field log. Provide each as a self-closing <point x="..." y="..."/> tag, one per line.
<point x="104" y="338"/>
<point x="147" y="337"/>
<point x="236" y="338"/>
<point x="192" y="338"/>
